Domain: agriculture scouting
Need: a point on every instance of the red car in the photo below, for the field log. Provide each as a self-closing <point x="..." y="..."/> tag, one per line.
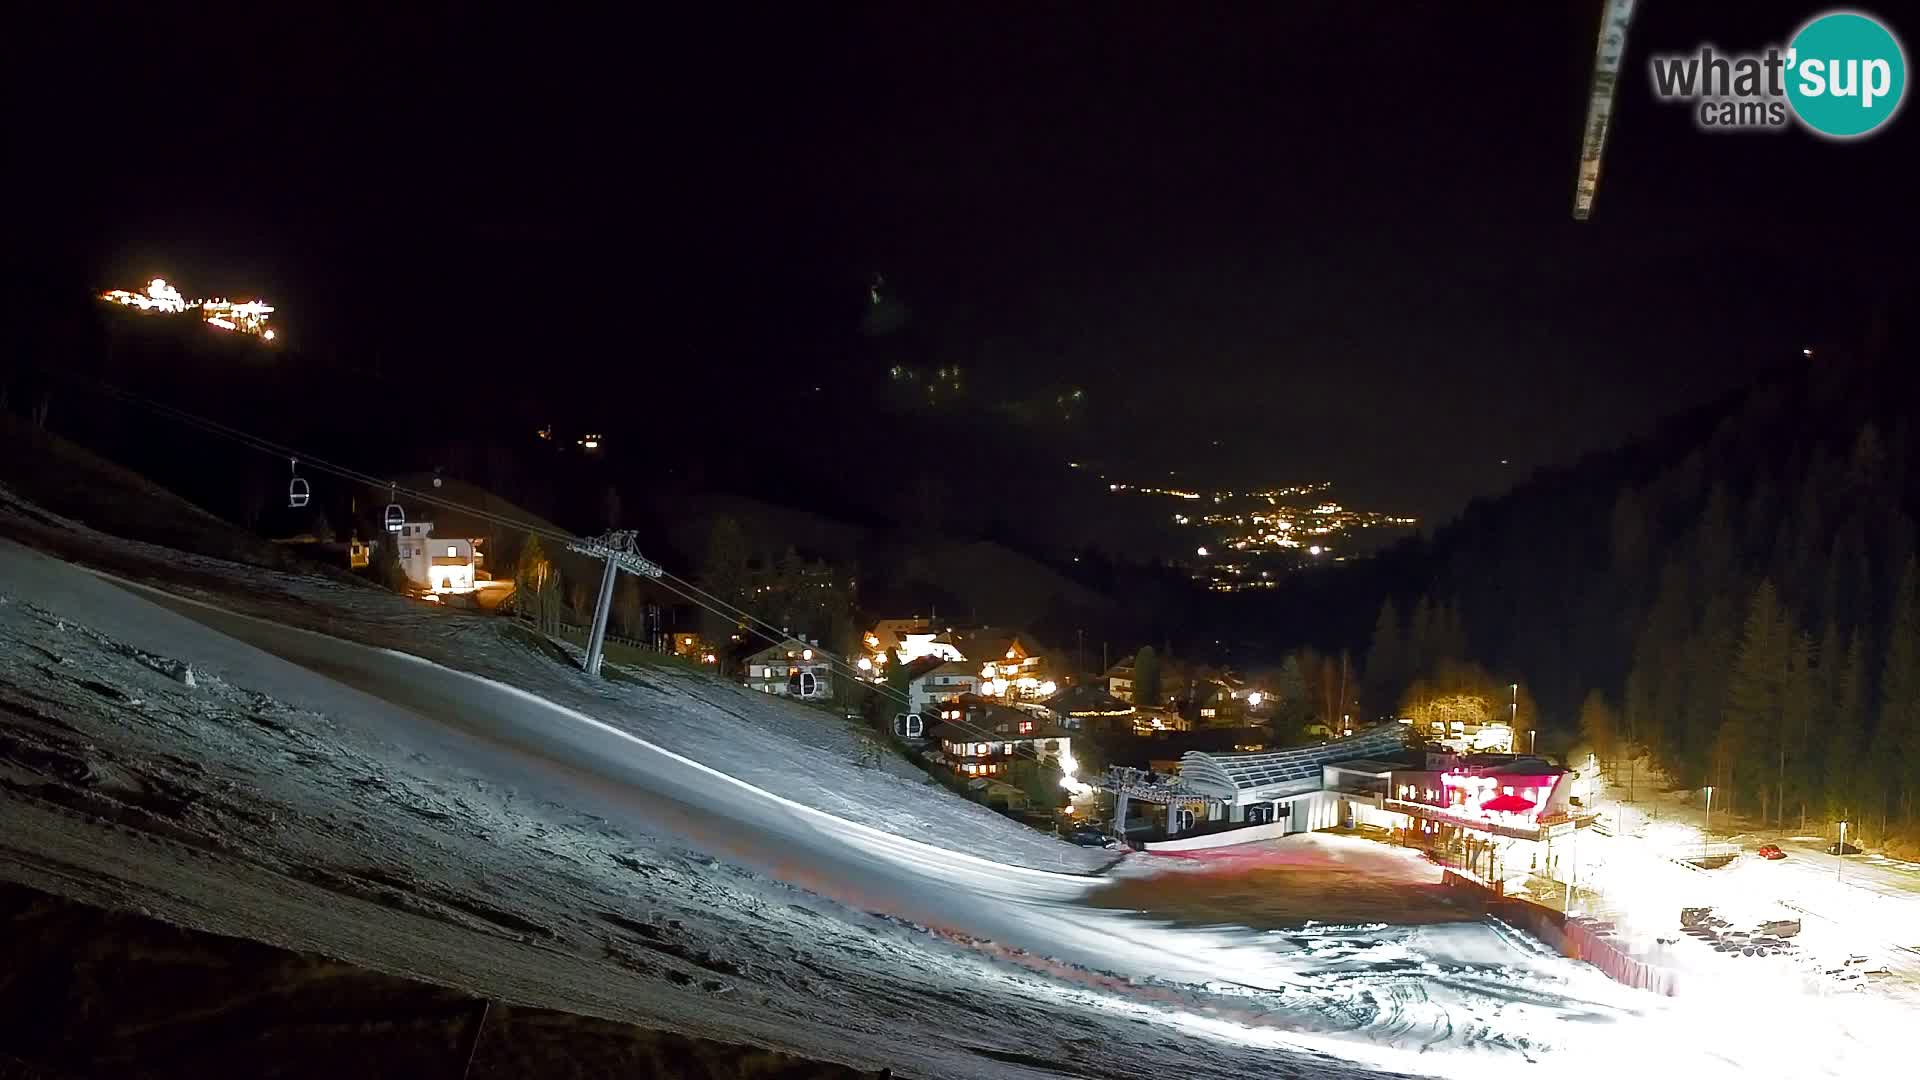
<point x="1771" y="851"/>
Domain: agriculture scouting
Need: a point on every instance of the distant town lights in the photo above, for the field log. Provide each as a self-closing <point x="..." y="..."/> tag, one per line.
<point x="246" y="317"/>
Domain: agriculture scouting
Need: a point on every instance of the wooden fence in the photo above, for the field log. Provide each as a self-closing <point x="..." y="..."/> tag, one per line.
<point x="1577" y="938"/>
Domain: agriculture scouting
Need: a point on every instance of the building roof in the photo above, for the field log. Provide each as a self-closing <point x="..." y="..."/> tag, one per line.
<point x="1141" y="751"/>
<point x="919" y="669"/>
<point x="1087" y="700"/>
<point x="1509" y="763"/>
<point x="796" y="646"/>
<point x="954" y="667"/>
<point x="1283" y="772"/>
<point x="987" y="643"/>
<point x="1366" y="765"/>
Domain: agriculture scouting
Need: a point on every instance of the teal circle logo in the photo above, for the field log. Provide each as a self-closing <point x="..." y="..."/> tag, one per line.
<point x="1846" y="74"/>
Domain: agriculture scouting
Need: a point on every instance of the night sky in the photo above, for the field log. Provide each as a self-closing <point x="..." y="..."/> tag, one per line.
<point x="1335" y="237"/>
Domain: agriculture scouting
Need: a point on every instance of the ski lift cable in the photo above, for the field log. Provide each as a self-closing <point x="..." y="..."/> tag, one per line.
<point x="686" y="590"/>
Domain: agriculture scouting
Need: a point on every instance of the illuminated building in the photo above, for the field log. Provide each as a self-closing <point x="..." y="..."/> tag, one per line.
<point x="1009" y="669"/>
<point x="159" y="296"/>
<point x="434" y="563"/>
<point x="795" y="668"/>
<point x="248" y="317"/>
<point x="931" y="682"/>
<point x="243" y="317"/>
<point x="979" y="738"/>
<point x="1088" y="708"/>
<point x="1491" y="816"/>
<point x="902" y="641"/>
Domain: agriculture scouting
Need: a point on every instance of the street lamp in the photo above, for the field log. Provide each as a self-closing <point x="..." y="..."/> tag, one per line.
<point x="1840" y="854"/>
<point x="1709" y="828"/>
<point x="1513" y="717"/>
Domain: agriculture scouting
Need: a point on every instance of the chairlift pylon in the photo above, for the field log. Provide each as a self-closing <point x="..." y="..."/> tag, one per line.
<point x="297" y="490"/>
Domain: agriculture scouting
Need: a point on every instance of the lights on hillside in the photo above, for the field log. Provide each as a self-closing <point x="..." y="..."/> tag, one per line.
<point x="159" y="296"/>
<point x="247" y="317"/>
<point x="244" y="317"/>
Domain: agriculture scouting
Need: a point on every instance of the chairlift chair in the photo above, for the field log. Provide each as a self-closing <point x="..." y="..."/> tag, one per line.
<point x="395" y="517"/>
<point x="297" y="490"/>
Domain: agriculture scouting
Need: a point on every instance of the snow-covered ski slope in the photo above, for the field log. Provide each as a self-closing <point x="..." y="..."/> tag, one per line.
<point x="402" y="814"/>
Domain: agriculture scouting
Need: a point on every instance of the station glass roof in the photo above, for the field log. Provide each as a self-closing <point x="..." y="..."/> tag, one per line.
<point x="1277" y="773"/>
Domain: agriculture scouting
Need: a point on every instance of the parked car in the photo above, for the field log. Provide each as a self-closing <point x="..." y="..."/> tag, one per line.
<point x="1842" y="849"/>
<point x="1088" y="834"/>
<point x="1771" y="851"/>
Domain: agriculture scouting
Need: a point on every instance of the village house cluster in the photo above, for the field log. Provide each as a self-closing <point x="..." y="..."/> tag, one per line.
<point x="1205" y="761"/>
<point x="985" y="703"/>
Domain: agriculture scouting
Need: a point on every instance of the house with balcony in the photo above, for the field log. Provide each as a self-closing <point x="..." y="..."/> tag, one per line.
<point x="1012" y="666"/>
<point x="979" y="738"/>
<point x="931" y="680"/>
<point x="795" y="668"/>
